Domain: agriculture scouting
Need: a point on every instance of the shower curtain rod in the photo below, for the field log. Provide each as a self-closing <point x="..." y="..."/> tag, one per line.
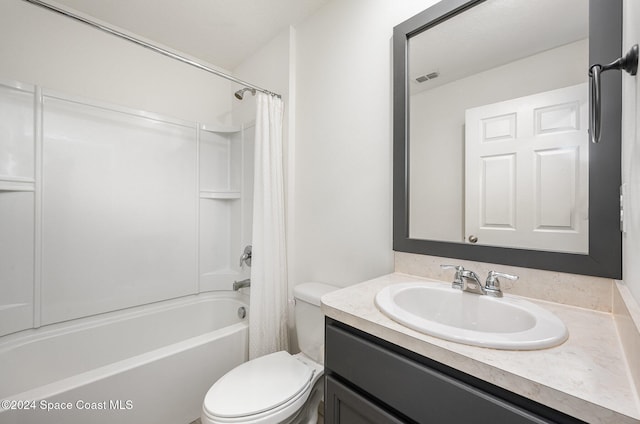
<point x="149" y="46"/>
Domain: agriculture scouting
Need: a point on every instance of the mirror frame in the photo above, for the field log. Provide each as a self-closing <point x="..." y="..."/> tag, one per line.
<point x="605" y="238"/>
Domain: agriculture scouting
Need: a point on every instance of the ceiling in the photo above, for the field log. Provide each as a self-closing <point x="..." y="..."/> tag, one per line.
<point x="492" y="34"/>
<point x="220" y="32"/>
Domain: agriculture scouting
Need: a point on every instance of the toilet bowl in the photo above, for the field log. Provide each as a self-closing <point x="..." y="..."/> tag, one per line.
<point x="278" y="388"/>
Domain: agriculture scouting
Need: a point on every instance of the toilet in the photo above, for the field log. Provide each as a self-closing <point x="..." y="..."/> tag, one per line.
<point x="278" y="388"/>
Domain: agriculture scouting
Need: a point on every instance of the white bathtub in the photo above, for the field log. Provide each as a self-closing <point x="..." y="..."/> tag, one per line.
<point x="150" y="364"/>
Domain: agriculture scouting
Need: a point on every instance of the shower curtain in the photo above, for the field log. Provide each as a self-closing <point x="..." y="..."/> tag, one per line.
<point x="268" y="302"/>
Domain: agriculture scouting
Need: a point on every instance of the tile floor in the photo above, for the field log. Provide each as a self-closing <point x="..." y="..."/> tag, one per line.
<point x="320" y="417"/>
<point x="320" y="420"/>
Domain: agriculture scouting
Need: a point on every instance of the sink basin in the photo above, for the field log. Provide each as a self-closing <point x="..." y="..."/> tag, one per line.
<point x="451" y="314"/>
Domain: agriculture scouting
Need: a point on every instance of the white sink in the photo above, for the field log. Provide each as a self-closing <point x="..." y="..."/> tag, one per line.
<point x="501" y="323"/>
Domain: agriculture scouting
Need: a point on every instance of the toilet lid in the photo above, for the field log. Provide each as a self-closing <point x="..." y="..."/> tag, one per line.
<point x="258" y="385"/>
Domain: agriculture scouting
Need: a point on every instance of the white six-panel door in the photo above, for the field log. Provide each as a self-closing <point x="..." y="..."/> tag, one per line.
<point x="526" y="182"/>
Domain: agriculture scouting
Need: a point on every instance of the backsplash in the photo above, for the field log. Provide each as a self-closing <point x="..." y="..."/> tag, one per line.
<point x="569" y="289"/>
<point x="626" y="313"/>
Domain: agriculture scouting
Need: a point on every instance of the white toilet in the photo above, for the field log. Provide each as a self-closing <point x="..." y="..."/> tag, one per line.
<point x="278" y="388"/>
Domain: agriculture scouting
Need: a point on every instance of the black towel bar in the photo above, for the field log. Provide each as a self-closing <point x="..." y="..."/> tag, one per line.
<point x="629" y="63"/>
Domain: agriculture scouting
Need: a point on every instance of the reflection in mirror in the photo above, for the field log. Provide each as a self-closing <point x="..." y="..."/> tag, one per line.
<point x="498" y="127"/>
<point x="491" y="155"/>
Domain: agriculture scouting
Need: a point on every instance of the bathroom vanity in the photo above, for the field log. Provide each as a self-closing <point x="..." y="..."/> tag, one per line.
<point x="378" y="371"/>
<point x="412" y="386"/>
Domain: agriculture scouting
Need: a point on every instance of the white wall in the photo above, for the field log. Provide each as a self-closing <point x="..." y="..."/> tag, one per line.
<point x="41" y="47"/>
<point x="267" y="68"/>
<point x="343" y="142"/>
<point x="334" y="71"/>
<point x="631" y="154"/>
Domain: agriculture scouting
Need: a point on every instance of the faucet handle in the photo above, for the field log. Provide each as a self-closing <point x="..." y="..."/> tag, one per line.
<point x="458" y="268"/>
<point x="457" y="280"/>
<point x="492" y="285"/>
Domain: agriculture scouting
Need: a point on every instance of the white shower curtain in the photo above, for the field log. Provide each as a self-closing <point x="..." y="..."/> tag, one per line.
<point x="268" y="303"/>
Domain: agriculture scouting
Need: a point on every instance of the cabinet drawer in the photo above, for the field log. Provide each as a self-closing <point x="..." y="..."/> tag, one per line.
<point x="345" y="406"/>
<point x="421" y="393"/>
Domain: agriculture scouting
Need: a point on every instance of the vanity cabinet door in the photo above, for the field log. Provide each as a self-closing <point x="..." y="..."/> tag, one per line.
<point x="417" y="390"/>
<point x="345" y="406"/>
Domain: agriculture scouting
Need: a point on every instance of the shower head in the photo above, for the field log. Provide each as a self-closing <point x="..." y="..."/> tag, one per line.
<point x="240" y="93"/>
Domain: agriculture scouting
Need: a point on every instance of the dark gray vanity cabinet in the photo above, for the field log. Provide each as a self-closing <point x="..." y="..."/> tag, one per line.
<point x="348" y="406"/>
<point x="369" y="380"/>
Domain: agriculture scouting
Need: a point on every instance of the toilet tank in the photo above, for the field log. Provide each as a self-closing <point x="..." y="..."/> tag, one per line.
<point x="310" y="319"/>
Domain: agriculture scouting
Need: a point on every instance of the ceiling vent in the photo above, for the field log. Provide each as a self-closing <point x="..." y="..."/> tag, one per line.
<point x="428" y="76"/>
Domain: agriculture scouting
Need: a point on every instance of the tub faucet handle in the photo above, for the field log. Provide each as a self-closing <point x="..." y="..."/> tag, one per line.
<point x="246" y="256"/>
<point x="237" y="285"/>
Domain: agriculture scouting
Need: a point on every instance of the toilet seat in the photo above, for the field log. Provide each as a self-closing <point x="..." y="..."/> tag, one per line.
<point x="268" y="389"/>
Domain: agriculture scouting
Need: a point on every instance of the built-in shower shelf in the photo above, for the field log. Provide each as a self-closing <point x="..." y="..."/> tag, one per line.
<point x="224" y="195"/>
<point x="16" y="184"/>
<point x="220" y="128"/>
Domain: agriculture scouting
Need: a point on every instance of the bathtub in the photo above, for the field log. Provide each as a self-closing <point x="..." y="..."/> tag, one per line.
<point x="149" y="364"/>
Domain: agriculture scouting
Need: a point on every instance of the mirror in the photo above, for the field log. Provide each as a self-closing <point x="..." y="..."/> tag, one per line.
<point x="491" y="155"/>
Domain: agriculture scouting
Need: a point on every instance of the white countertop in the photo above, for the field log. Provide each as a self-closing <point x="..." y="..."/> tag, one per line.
<point x="586" y="377"/>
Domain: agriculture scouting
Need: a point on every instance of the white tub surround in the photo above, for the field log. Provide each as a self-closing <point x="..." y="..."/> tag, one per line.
<point x="587" y="377"/>
<point x="109" y="207"/>
<point x="147" y="364"/>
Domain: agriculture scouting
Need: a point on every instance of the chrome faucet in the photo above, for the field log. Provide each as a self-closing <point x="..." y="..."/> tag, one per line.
<point x="471" y="282"/>
<point x="465" y="279"/>
<point x="468" y="281"/>
<point x="237" y="285"/>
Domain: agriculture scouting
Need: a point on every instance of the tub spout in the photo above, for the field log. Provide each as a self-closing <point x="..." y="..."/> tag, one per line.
<point x="237" y="285"/>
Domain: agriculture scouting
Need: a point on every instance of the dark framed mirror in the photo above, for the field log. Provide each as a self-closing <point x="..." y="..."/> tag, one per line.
<point x="491" y="155"/>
